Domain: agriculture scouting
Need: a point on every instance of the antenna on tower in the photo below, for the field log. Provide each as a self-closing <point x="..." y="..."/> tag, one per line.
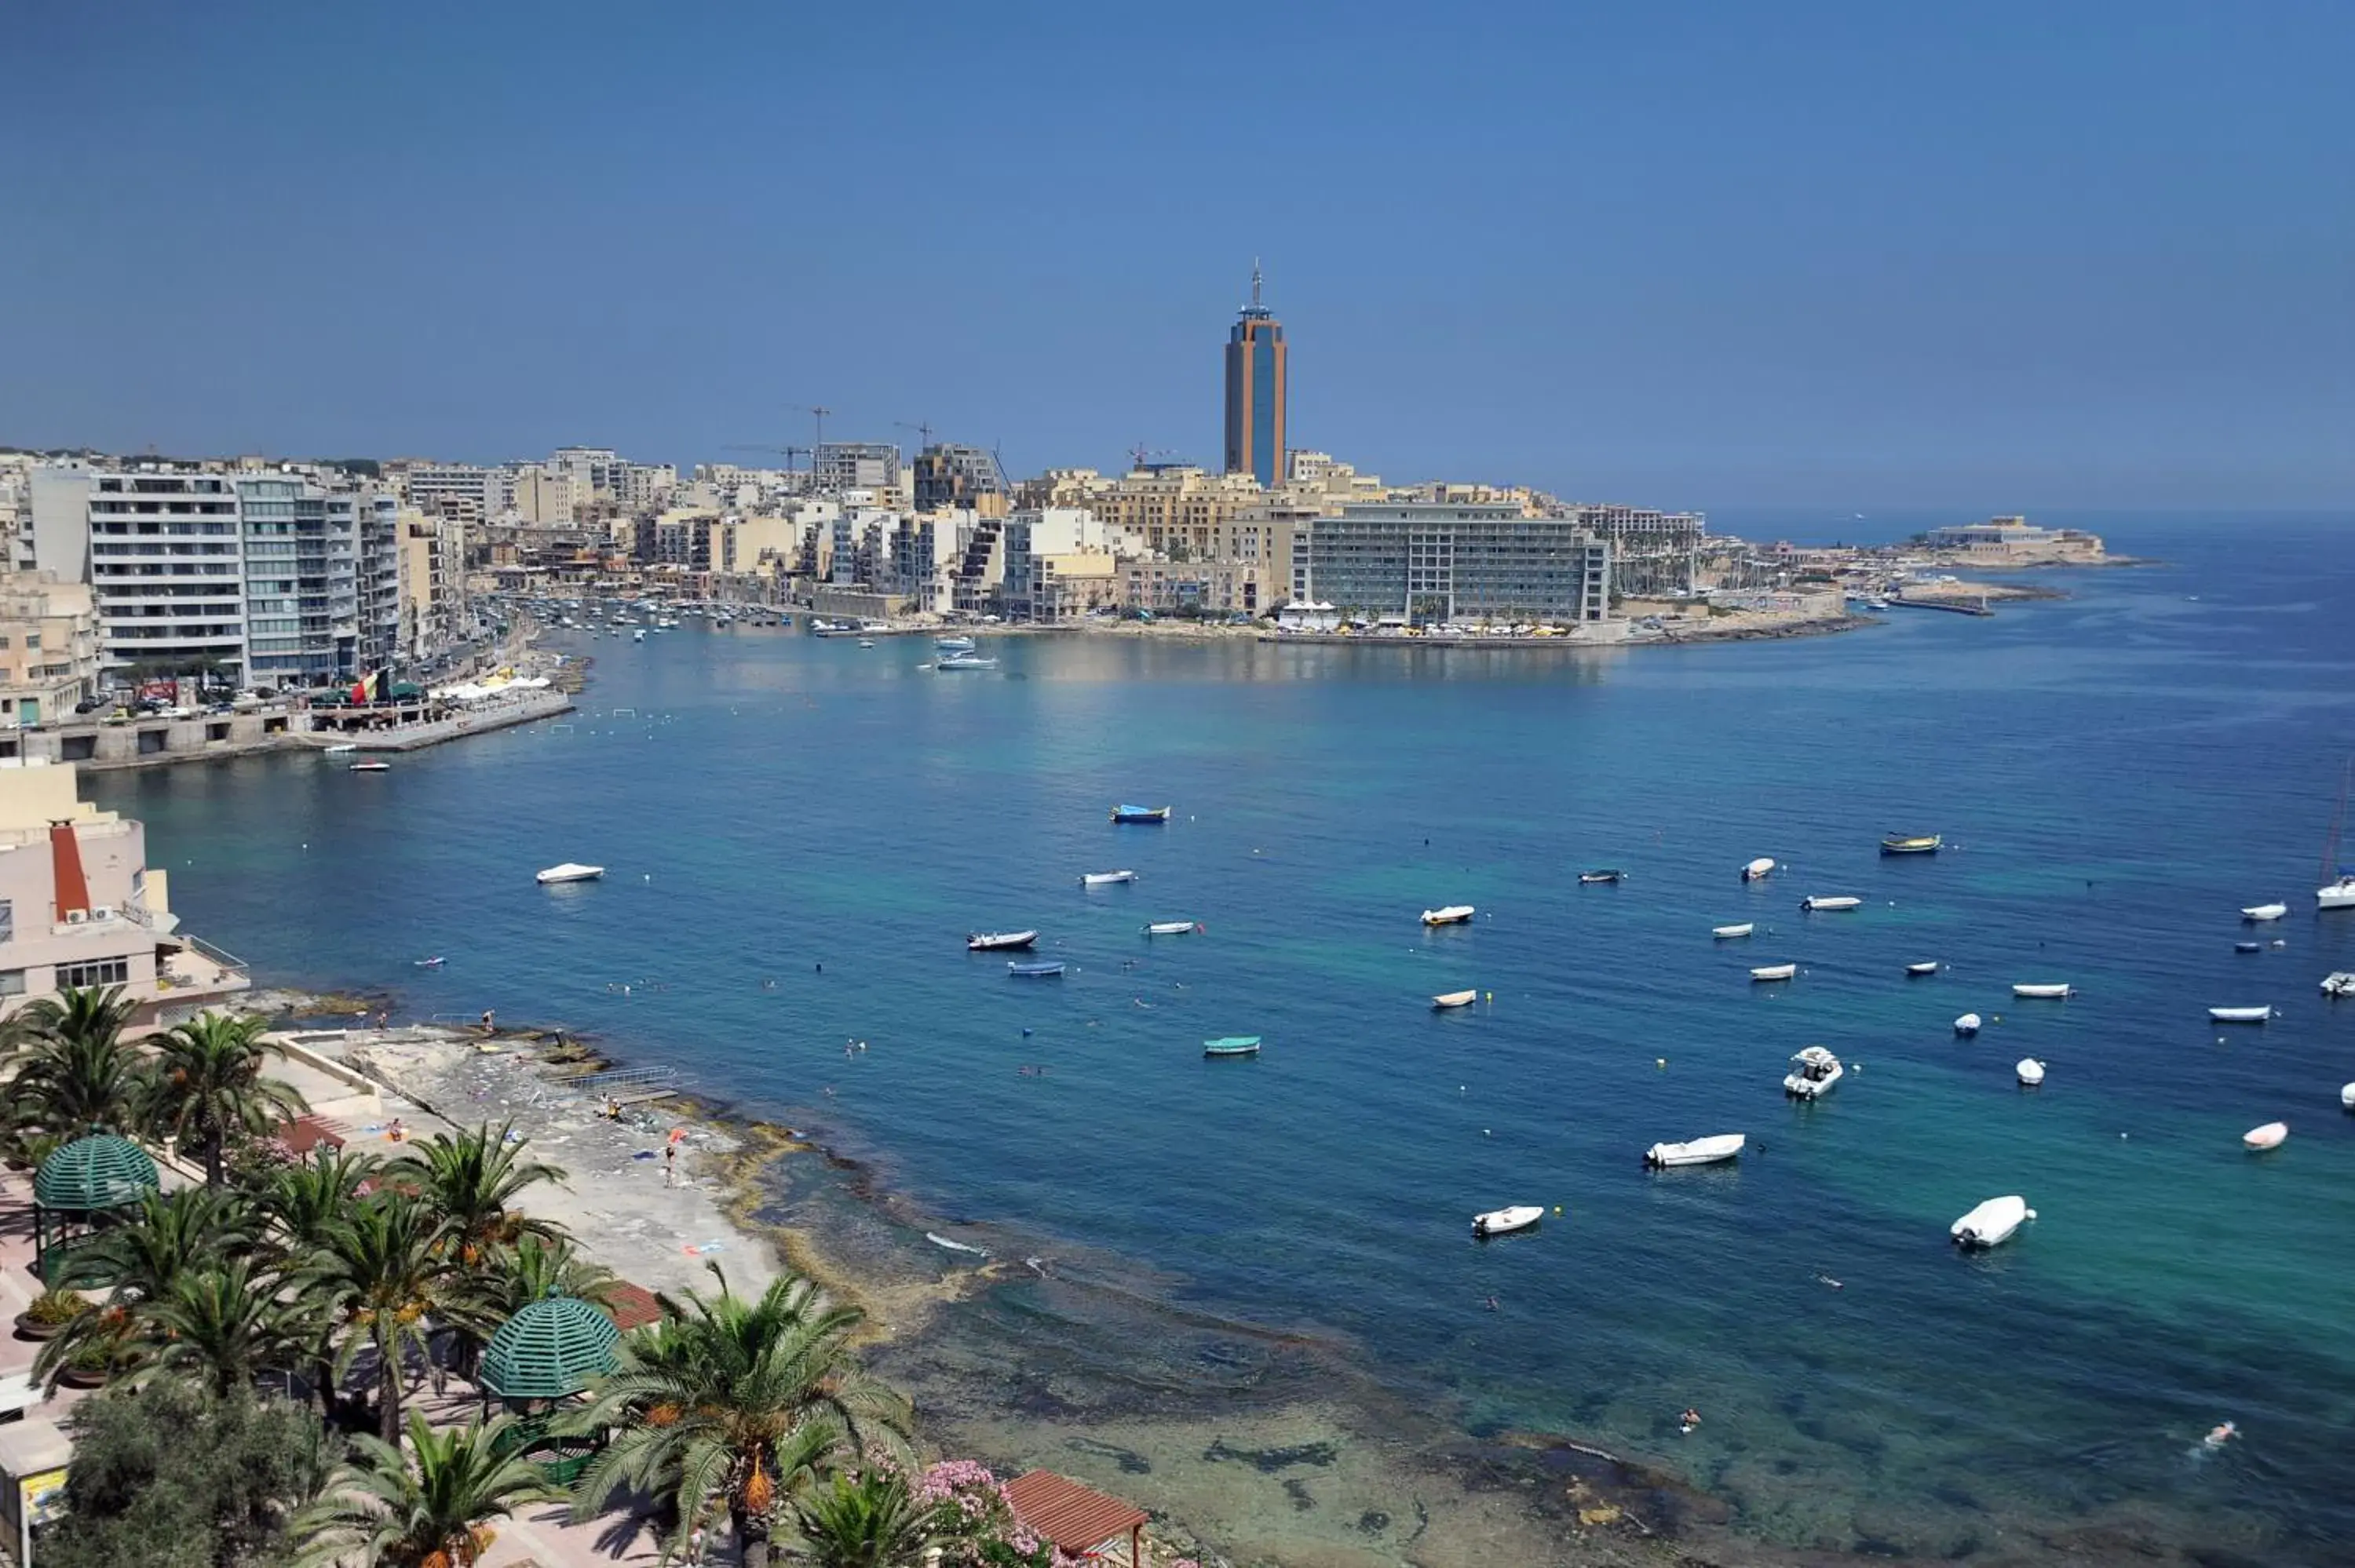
<point x="1255" y="305"/>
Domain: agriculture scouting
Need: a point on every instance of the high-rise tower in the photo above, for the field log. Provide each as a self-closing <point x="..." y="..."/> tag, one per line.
<point x="1255" y="395"/>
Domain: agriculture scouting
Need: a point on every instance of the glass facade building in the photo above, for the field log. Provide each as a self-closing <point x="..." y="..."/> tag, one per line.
<point x="1256" y="393"/>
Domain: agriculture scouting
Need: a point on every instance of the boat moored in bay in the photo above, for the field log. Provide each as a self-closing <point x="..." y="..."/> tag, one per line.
<point x="1991" y="1224"/>
<point x="1504" y="1222"/>
<point x="1710" y="1151"/>
<point x="1449" y="914"/>
<point x="1763" y="866"/>
<point x="2047" y="992"/>
<point x="2239" y="1014"/>
<point x="1131" y="814"/>
<point x="1840" y="902"/>
<point x="1916" y="971"/>
<point x="2029" y="1071"/>
<point x="1775" y="972"/>
<point x="1231" y="1045"/>
<point x="1815" y="1073"/>
<point x="999" y="941"/>
<point x="1037" y="968"/>
<point x="1173" y="927"/>
<point x="2269" y="1136"/>
<point x="1968" y="1025"/>
<point x="1105" y="878"/>
<point x="1590" y="877"/>
<point x="1446" y="1000"/>
<point x="2256" y="914"/>
<point x="1911" y="843"/>
<point x="1727" y="933"/>
<point x="570" y="871"/>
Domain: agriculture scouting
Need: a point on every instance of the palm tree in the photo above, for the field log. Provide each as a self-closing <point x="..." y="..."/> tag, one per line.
<point x="76" y="1072"/>
<point x="208" y="1084"/>
<point x="535" y="1267"/>
<point x="738" y="1400"/>
<point x="470" y="1179"/>
<point x="303" y="1201"/>
<point x="386" y="1267"/>
<point x="226" y="1325"/>
<point x="169" y="1236"/>
<point x="867" y="1521"/>
<point x="429" y="1508"/>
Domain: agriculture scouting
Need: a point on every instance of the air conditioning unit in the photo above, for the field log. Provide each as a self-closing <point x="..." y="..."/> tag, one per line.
<point x="76" y="917"/>
<point x="103" y="912"/>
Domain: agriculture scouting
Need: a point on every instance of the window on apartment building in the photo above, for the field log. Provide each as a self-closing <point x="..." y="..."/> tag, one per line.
<point x="12" y="982"/>
<point x="106" y="971"/>
<point x="7" y="920"/>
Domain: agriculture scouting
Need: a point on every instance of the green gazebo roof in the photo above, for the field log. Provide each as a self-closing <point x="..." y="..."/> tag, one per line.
<point x="104" y="1170"/>
<point x="549" y="1350"/>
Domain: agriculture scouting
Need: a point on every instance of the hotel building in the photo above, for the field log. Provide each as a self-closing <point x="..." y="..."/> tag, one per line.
<point x="1255" y="392"/>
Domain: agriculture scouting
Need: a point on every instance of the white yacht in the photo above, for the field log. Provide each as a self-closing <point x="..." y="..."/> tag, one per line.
<point x="2339" y="895"/>
<point x="1992" y="1223"/>
<point x="1814" y="1072"/>
<point x="1710" y="1150"/>
<point x="2261" y="912"/>
<point x="570" y="871"/>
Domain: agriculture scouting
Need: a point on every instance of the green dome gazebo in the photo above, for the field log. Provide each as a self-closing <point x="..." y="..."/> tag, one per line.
<point x="540" y="1359"/>
<point x="80" y="1190"/>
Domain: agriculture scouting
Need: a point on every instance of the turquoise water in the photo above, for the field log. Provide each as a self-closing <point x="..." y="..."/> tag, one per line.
<point x="2116" y="775"/>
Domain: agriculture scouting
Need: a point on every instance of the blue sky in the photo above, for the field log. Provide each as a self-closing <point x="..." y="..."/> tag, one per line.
<point x="1989" y="256"/>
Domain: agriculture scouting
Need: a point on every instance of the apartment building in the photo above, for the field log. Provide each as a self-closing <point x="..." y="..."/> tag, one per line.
<point x="435" y="614"/>
<point x="1453" y="563"/>
<point x="49" y="647"/>
<point x="165" y="565"/>
<point x="80" y="906"/>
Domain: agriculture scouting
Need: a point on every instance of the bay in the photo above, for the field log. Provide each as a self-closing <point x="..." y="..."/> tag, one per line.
<point x="800" y="831"/>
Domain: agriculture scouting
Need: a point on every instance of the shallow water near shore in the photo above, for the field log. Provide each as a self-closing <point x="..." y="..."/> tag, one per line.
<point x="2116" y="775"/>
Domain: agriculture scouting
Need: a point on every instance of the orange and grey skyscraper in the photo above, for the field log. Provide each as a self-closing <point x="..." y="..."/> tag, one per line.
<point x="1255" y="373"/>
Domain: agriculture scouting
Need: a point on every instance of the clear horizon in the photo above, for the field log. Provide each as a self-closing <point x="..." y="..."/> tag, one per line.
<point x="1833" y="257"/>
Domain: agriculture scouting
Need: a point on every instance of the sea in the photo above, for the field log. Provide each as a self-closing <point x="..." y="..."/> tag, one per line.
<point x="800" y="832"/>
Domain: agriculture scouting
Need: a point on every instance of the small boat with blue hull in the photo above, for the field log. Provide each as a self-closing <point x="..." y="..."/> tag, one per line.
<point x="1036" y="968"/>
<point x="1140" y="814"/>
<point x="1231" y="1045"/>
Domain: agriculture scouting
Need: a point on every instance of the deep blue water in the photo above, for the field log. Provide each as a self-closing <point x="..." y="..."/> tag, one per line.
<point x="2114" y="775"/>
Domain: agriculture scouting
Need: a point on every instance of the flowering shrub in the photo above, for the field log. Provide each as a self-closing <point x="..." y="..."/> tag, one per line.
<point x="977" y="1517"/>
<point x="251" y="1162"/>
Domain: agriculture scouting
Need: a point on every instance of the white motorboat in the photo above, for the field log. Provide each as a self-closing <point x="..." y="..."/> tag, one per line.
<point x="1503" y="1221"/>
<point x="570" y="871"/>
<point x="1992" y="1223"/>
<point x="1840" y="902"/>
<point x="371" y="767"/>
<point x="1775" y="971"/>
<point x="1448" y="999"/>
<point x="962" y="661"/>
<point x="639" y="635"/>
<point x="2239" y="1014"/>
<point x="1813" y="1072"/>
<point x="2337" y="894"/>
<point x="1451" y="915"/>
<point x="2341" y="983"/>
<point x="2256" y="913"/>
<point x="1967" y="1024"/>
<point x="1918" y="970"/>
<point x="1710" y="1151"/>
<point x="2047" y="992"/>
<point x="1761" y="866"/>
<point x="953" y="644"/>
<point x="2346" y="1096"/>
<point x="1105" y="878"/>
<point x="2269" y="1136"/>
<point x="2031" y="1071"/>
<point x="1172" y="927"/>
<point x="999" y="941"/>
<point x="1725" y="933"/>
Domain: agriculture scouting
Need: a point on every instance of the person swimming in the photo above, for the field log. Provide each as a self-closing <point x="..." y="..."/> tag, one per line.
<point x="2223" y="1431"/>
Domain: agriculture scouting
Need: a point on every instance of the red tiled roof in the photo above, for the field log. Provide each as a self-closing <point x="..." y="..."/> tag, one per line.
<point x="305" y="1133"/>
<point x="1073" y="1516"/>
<point x="631" y="1306"/>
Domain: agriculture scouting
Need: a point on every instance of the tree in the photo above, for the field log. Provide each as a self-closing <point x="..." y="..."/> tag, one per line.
<point x="867" y="1521"/>
<point x="77" y="1074"/>
<point x="471" y="1179"/>
<point x="302" y="1205"/>
<point x="740" y="1401"/>
<point x="386" y="1267"/>
<point x="430" y="1508"/>
<point x="226" y="1327"/>
<point x="171" y="1233"/>
<point x="207" y="1084"/>
<point x="167" y="1476"/>
<point x="535" y="1267"/>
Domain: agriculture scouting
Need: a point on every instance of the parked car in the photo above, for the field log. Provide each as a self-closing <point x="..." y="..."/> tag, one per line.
<point x="90" y="706"/>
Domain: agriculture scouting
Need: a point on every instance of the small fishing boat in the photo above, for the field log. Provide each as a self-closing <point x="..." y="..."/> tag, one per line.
<point x="1699" y="1152"/>
<point x="2248" y="947"/>
<point x="1814" y="1072"/>
<point x="371" y="767"/>
<point x="2269" y="1136"/>
<point x="1172" y="927"/>
<point x="570" y="871"/>
<point x="1595" y="876"/>
<point x="2339" y="983"/>
<point x="1992" y="1223"/>
<point x="1727" y="933"/>
<point x="342" y="749"/>
<point x="1918" y="970"/>
<point x="2256" y="914"/>
<point x="2041" y="991"/>
<point x="1451" y="915"/>
<point x="2239" y="1014"/>
<point x="1842" y="902"/>
<point x="1763" y="866"/>
<point x="1105" y="878"/>
<point x="1775" y="972"/>
<point x="1504" y="1222"/>
<point x="1911" y="843"/>
<point x="959" y="661"/>
<point x="1231" y="1045"/>
<point x="1967" y="1024"/>
<point x="1125" y="813"/>
<point x="435" y="962"/>
<point x="2029" y="1071"/>
<point x="1454" y="999"/>
<point x="999" y="941"/>
<point x="1036" y="968"/>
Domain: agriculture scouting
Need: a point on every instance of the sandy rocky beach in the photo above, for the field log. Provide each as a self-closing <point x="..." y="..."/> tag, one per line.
<point x="1251" y="1447"/>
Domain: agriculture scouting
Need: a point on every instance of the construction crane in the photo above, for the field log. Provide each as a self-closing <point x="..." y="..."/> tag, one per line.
<point x="1141" y="454"/>
<point x="922" y="431"/>
<point x="819" y="415"/>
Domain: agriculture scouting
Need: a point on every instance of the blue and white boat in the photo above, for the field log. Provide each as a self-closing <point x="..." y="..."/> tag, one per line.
<point x="966" y="661"/>
<point x="1127" y="813"/>
<point x="1038" y="969"/>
